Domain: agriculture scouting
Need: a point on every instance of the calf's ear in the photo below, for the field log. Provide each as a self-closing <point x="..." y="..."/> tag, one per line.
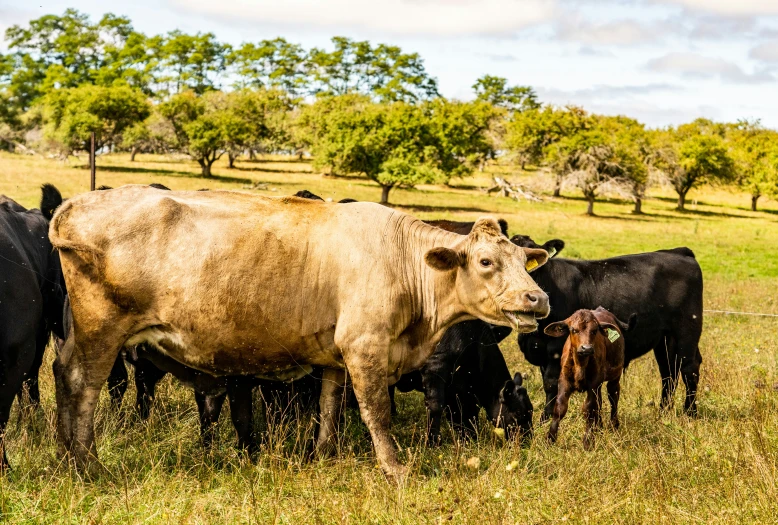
<point x="443" y="259"/>
<point x="517" y="379"/>
<point x="557" y="329"/>
<point x="535" y="258"/>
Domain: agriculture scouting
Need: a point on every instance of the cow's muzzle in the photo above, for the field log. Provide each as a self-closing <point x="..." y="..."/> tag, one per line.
<point x="536" y="301"/>
<point x="585" y="350"/>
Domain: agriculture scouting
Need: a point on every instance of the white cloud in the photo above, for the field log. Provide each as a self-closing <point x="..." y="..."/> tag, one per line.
<point x="616" y="32"/>
<point x="400" y="17"/>
<point x="729" y="7"/>
<point x="766" y="52"/>
<point x="699" y="66"/>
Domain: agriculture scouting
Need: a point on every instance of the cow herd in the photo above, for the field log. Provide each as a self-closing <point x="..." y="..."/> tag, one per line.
<point x="305" y="299"/>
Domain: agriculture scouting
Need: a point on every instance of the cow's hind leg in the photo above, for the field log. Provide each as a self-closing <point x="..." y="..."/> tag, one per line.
<point x="209" y="407"/>
<point x="147" y="375"/>
<point x="690" y="372"/>
<point x="669" y="367"/>
<point x="81" y="370"/>
<point x="117" y="382"/>
<point x="29" y="395"/>
<point x="331" y="402"/>
<point x="239" y="391"/>
<point x="614" y="391"/>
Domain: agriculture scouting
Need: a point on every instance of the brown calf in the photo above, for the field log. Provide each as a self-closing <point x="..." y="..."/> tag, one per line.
<point x="593" y="354"/>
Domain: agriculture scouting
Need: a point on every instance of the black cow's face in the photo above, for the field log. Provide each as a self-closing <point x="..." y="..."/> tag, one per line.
<point x="515" y="415"/>
<point x="553" y="247"/>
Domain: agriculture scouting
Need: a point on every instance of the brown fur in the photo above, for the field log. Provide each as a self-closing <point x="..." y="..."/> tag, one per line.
<point x="234" y="283"/>
<point x="587" y="331"/>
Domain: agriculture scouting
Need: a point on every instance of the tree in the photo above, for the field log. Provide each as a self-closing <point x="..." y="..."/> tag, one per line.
<point x="554" y="135"/>
<point x="495" y="90"/>
<point x="599" y="156"/>
<point x="383" y="71"/>
<point x="529" y="133"/>
<point x="153" y="135"/>
<point x="755" y="153"/>
<point x="199" y="129"/>
<point x="192" y="62"/>
<point x="394" y="144"/>
<point x="691" y="155"/>
<point x="55" y="52"/>
<point x="270" y="64"/>
<point x="71" y="115"/>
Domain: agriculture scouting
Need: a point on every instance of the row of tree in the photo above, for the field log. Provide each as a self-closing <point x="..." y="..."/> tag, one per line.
<point x="358" y="108"/>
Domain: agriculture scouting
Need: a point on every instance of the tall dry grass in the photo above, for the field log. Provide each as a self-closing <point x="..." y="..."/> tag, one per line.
<point x="658" y="468"/>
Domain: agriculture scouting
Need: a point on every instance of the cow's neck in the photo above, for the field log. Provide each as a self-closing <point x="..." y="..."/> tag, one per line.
<point x="435" y="303"/>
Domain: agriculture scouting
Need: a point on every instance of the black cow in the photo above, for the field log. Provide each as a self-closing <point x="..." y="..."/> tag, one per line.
<point x="31" y="299"/>
<point x="664" y="289"/>
<point x="468" y="372"/>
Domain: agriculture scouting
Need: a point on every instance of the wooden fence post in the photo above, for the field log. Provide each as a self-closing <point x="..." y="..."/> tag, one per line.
<point x="92" y="168"/>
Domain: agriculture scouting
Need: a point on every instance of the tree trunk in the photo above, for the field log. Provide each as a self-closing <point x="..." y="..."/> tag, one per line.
<point x="206" y="165"/>
<point x="558" y="186"/>
<point x="231" y="159"/>
<point x="300" y="156"/>
<point x="252" y="154"/>
<point x="132" y="153"/>
<point x="385" y="194"/>
<point x="523" y="164"/>
<point x="638" y="206"/>
<point x="681" y="201"/>
<point x="754" y="198"/>
<point x="590" y="207"/>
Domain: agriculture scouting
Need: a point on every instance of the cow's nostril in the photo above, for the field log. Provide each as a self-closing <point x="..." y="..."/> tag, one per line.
<point x="533" y="299"/>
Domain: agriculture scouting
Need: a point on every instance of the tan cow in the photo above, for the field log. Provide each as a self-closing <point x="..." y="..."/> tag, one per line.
<point x="236" y="283"/>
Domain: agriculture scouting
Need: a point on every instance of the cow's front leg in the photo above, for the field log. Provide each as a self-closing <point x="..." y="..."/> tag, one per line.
<point x="560" y="409"/>
<point x="550" y="385"/>
<point x="435" y="401"/>
<point x="368" y="377"/>
<point x="333" y="381"/>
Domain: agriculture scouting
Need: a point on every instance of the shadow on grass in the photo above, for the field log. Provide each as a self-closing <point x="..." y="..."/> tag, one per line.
<point x="272" y="170"/>
<point x="174" y="173"/>
<point x="293" y="160"/>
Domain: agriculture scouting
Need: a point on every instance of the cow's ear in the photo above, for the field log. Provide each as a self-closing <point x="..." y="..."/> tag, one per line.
<point x="554" y="246"/>
<point x="535" y="258"/>
<point x="443" y="259"/>
<point x="557" y="329"/>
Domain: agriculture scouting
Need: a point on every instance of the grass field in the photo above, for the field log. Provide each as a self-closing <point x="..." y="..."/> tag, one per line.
<point x="718" y="468"/>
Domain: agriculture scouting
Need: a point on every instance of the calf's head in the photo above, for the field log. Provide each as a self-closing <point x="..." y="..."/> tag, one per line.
<point x="492" y="278"/>
<point x="514" y="413"/>
<point x="582" y="329"/>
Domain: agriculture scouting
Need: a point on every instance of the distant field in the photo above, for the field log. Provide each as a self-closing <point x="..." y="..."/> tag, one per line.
<point x="719" y="468"/>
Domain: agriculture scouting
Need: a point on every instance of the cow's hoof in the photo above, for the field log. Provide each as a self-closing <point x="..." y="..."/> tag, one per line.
<point x="588" y="442"/>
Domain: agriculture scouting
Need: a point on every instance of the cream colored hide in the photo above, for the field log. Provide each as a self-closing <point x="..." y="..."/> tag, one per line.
<point x="236" y="283"/>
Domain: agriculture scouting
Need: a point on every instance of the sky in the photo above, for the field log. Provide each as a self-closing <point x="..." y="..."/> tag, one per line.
<point x="663" y="62"/>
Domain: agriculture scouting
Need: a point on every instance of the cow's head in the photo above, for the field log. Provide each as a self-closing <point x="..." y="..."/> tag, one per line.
<point x="553" y="247"/>
<point x="515" y="409"/>
<point x="492" y="278"/>
<point x="582" y="328"/>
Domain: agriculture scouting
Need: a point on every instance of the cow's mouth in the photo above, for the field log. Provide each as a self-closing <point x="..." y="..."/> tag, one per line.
<point x="524" y="321"/>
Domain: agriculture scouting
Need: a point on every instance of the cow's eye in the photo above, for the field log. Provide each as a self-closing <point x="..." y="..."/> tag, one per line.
<point x="574" y="331"/>
<point x="486" y="263"/>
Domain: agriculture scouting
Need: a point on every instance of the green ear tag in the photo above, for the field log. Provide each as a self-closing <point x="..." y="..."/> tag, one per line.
<point x="613" y="335"/>
<point x="531" y="264"/>
<point x="551" y="252"/>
